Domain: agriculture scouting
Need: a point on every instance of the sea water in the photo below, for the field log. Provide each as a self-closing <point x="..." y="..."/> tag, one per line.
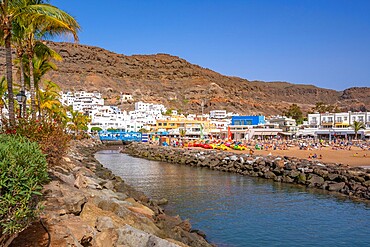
<point x="235" y="210"/>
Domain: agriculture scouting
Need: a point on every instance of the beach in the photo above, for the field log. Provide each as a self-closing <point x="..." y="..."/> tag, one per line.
<point x="354" y="157"/>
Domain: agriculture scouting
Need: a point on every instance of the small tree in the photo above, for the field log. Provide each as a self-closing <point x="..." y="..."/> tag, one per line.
<point x="96" y="129"/>
<point x="295" y="112"/>
<point x="357" y="126"/>
<point x="143" y="130"/>
<point x="321" y="107"/>
<point x="182" y="133"/>
<point x="78" y="122"/>
<point x="168" y="112"/>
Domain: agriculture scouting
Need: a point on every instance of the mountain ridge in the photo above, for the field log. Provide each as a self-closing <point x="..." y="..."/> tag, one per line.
<point x="178" y="84"/>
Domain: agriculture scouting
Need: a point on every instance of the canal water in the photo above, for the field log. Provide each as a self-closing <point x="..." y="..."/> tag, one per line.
<point x="235" y="210"/>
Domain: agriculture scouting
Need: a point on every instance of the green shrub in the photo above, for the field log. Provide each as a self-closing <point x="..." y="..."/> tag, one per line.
<point x="23" y="169"/>
<point x="97" y="129"/>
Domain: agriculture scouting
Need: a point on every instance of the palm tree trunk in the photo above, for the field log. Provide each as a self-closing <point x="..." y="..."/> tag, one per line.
<point x="9" y="72"/>
<point x="23" y="88"/>
<point x="38" y="102"/>
<point x="32" y="86"/>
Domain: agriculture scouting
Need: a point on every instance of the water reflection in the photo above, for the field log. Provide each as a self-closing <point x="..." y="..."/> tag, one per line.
<point x="243" y="211"/>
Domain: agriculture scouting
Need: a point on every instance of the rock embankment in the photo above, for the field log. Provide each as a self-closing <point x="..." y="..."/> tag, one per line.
<point x="354" y="182"/>
<point x="87" y="205"/>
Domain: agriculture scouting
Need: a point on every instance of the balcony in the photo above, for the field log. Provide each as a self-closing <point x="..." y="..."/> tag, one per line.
<point x="327" y="122"/>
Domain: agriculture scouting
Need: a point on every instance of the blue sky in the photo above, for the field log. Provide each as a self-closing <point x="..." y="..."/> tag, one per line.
<point x="321" y="42"/>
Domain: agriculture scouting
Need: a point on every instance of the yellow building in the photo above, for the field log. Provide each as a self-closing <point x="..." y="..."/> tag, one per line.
<point x="193" y="127"/>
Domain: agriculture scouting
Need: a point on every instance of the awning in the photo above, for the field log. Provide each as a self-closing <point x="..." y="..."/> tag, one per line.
<point x="265" y="133"/>
<point x="286" y="133"/>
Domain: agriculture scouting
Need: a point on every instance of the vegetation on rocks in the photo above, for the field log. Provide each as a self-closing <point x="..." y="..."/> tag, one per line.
<point x="23" y="171"/>
<point x="29" y="142"/>
<point x="51" y="137"/>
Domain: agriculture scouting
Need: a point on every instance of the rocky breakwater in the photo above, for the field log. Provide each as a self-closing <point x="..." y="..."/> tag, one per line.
<point x="354" y="182"/>
<point x="86" y="205"/>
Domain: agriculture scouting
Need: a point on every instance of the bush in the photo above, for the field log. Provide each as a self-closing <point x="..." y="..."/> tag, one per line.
<point x="23" y="169"/>
<point x="97" y="129"/>
<point x="51" y="137"/>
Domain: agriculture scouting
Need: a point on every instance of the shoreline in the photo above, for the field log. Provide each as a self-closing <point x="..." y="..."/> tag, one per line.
<point x="353" y="182"/>
<point x="86" y="204"/>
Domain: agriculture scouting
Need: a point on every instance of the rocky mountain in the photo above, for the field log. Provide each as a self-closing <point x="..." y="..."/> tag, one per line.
<point x="178" y="84"/>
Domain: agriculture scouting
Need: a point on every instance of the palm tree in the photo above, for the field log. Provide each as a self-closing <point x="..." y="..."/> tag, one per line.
<point x="8" y="10"/>
<point x="3" y="88"/>
<point x="42" y="64"/>
<point x="49" y="103"/>
<point x="357" y="126"/>
<point x="18" y="37"/>
<point x="78" y="121"/>
<point x="39" y="20"/>
<point x="182" y="133"/>
<point x="49" y="22"/>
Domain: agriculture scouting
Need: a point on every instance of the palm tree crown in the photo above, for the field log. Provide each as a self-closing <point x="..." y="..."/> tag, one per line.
<point x="357" y="126"/>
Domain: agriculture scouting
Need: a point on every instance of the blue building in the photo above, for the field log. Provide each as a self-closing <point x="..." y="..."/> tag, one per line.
<point x="247" y="120"/>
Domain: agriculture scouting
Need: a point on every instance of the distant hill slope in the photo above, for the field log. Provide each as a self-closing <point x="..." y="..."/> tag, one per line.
<point x="178" y="84"/>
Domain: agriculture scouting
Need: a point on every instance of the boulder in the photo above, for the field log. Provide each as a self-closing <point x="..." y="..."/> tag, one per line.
<point x="279" y="163"/>
<point x="287" y="179"/>
<point x="332" y="176"/>
<point x="107" y="185"/>
<point x="315" y="180"/>
<point x="68" y="179"/>
<point x="70" y="230"/>
<point x="63" y="199"/>
<point x="83" y="181"/>
<point x="131" y="237"/>
<point x="106" y="238"/>
<point x="302" y="178"/>
<point x="103" y="223"/>
<point x="270" y="175"/>
<point x="336" y="186"/>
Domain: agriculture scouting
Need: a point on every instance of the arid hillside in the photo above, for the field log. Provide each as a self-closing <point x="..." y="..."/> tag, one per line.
<point x="178" y="84"/>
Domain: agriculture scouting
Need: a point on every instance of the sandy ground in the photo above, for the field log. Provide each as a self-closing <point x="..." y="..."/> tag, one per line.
<point x="354" y="157"/>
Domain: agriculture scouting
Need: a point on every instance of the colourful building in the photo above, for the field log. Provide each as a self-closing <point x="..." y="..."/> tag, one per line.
<point x="192" y="127"/>
<point x="247" y="120"/>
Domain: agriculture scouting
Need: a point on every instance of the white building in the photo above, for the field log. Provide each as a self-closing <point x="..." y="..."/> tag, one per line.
<point x="218" y="114"/>
<point x="150" y="107"/>
<point x="336" y="125"/>
<point x="82" y="101"/>
<point x="68" y="98"/>
<point x="125" y="97"/>
<point x="110" y="117"/>
<point x="338" y="120"/>
<point x="288" y="125"/>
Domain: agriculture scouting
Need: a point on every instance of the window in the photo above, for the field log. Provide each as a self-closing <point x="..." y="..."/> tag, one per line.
<point x="159" y="124"/>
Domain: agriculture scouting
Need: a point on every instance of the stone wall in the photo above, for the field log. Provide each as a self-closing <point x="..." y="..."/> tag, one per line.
<point x="87" y="205"/>
<point x="354" y="182"/>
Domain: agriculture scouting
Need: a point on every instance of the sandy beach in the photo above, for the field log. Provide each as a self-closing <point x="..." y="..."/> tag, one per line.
<point x="354" y="157"/>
